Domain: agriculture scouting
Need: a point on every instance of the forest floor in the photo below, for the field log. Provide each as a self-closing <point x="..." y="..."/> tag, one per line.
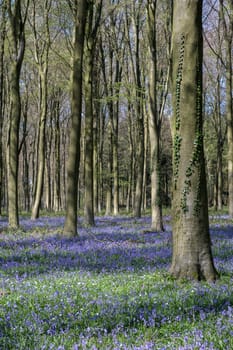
<point x="109" y="288"/>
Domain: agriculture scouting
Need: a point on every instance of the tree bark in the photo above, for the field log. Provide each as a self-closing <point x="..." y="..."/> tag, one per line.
<point x="90" y="47"/>
<point x="57" y="153"/>
<point x="154" y="122"/>
<point x="70" y="227"/>
<point x="192" y="256"/>
<point x="41" y="147"/>
<point x="41" y="57"/>
<point x="228" y="38"/>
<point x="17" y="48"/>
<point x="2" y="49"/>
<point x="88" y="155"/>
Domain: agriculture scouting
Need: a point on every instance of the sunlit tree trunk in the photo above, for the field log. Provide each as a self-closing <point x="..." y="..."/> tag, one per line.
<point x="154" y="122"/>
<point x="57" y="152"/>
<point x="145" y="166"/>
<point x="108" y="204"/>
<point x="191" y="257"/>
<point x="115" y="127"/>
<point x="135" y="57"/>
<point x="80" y="14"/>
<point x="42" y="47"/>
<point x="130" y="201"/>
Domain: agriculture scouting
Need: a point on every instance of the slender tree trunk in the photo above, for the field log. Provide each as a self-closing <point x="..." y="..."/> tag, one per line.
<point x="96" y="163"/>
<point x="101" y="137"/>
<point x="49" y="183"/>
<point x="2" y="43"/>
<point x="129" y="201"/>
<point x="145" y="166"/>
<point x="41" y="146"/>
<point x="41" y="56"/>
<point x="70" y="228"/>
<point x="88" y="153"/>
<point x="57" y="152"/>
<point x="154" y="122"/>
<point x="228" y="37"/>
<point x="108" y="209"/>
<point x="13" y="148"/>
<point x="26" y="186"/>
<point x="140" y="127"/>
<point x="115" y="161"/>
<point x="115" y="127"/>
<point x="191" y="257"/>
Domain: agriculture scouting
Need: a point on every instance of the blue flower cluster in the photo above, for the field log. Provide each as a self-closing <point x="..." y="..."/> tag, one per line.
<point x="108" y="288"/>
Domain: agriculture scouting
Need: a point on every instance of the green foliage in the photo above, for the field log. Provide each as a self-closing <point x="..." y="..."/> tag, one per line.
<point x="196" y="158"/>
<point x="177" y="137"/>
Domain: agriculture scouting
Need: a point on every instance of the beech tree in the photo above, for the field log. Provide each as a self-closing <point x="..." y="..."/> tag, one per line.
<point x="2" y="49"/>
<point x="191" y="257"/>
<point x="134" y="35"/>
<point x="79" y="9"/>
<point x="154" y="120"/>
<point x="17" y="16"/>
<point x="93" y="19"/>
<point x="226" y="17"/>
<point x="41" y="51"/>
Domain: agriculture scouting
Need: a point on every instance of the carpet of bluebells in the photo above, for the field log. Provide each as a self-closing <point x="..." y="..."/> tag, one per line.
<point x="109" y="288"/>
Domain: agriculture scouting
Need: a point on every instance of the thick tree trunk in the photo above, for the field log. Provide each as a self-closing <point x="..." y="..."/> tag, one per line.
<point x="17" y="48"/>
<point x="192" y="257"/>
<point x="70" y="227"/>
<point x="94" y="13"/>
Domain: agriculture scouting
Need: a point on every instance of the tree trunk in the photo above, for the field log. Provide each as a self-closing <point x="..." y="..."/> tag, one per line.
<point x="108" y="209"/>
<point x="41" y="57"/>
<point x="140" y="125"/>
<point x="25" y="179"/>
<point x="17" y="48"/>
<point x="2" y="45"/>
<point x="192" y="257"/>
<point x="57" y="154"/>
<point x="115" y="127"/>
<point x="70" y="227"/>
<point x="41" y="146"/>
<point x="88" y="152"/>
<point x="91" y="33"/>
<point x="226" y="9"/>
<point x="154" y="123"/>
